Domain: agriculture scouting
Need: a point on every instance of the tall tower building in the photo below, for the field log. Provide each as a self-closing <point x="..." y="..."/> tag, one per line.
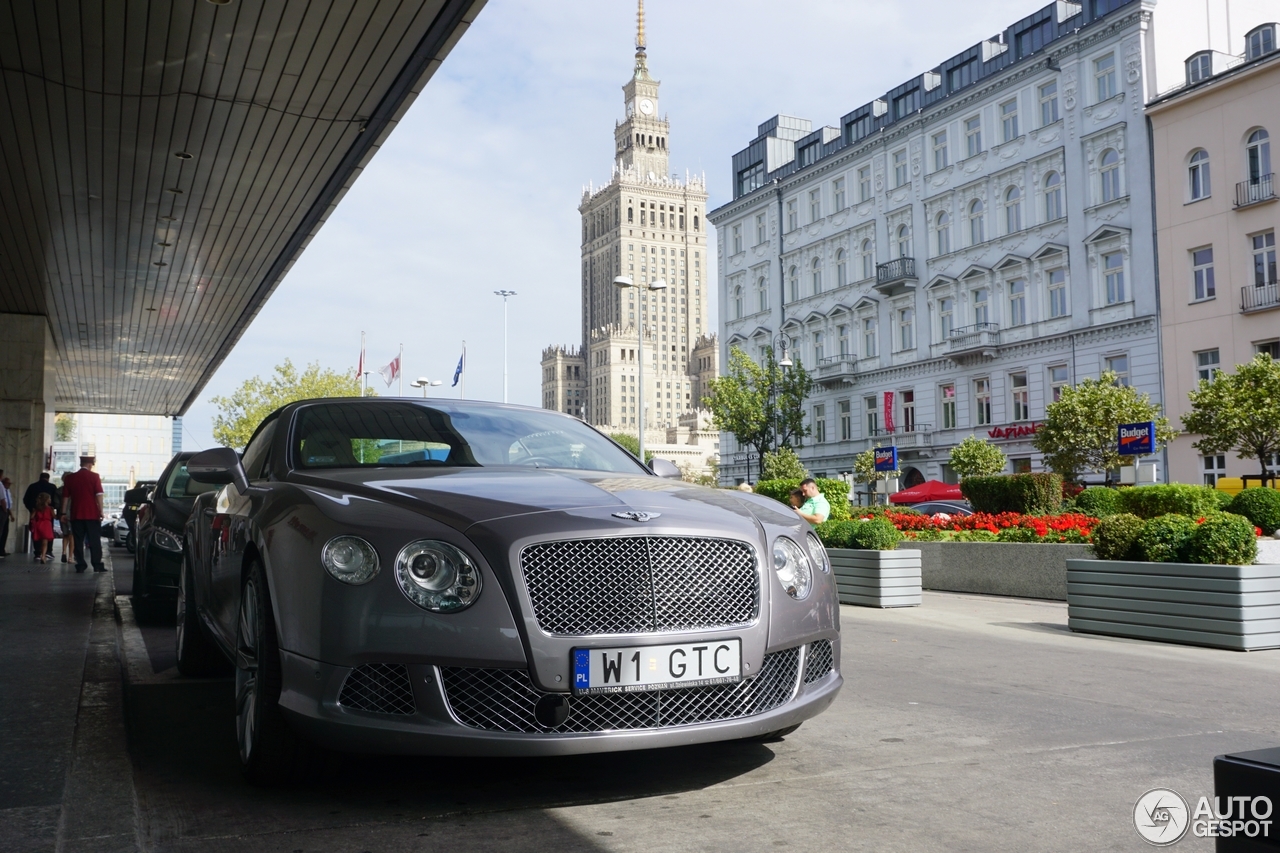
<point x="648" y="225"/>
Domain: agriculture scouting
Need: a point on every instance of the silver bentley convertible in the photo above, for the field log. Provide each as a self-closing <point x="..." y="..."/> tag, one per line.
<point x="448" y="577"/>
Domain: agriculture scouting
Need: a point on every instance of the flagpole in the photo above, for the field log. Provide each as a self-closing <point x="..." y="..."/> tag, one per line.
<point x="462" y="380"/>
<point x="400" y="369"/>
<point x="361" y="377"/>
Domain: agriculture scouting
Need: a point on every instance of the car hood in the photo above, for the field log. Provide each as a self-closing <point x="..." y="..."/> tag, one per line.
<point x="466" y="497"/>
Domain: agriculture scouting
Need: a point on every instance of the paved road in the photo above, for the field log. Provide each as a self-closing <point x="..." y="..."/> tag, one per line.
<point x="967" y="724"/>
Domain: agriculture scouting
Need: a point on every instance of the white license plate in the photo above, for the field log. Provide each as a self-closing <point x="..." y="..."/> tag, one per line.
<point x="623" y="670"/>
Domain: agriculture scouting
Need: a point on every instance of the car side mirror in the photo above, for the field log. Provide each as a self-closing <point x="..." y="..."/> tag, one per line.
<point x="664" y="468"/>
<point x="218" y="466"/>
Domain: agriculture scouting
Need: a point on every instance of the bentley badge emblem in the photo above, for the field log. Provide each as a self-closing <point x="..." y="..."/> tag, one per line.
<point x="634" y="515"/>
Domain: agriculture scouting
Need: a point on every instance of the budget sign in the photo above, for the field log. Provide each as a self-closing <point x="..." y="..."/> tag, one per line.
<point x="886" y="458"/>
<point x="1137" y="439"/>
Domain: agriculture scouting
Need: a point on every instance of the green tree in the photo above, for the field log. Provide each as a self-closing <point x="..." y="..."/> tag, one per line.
<point x="761" y="405"/>
<point x="974" y="457"/>
<point x="782" y="464"/>
<point x="1079" y="431"/>
<point x="1239" y="411"/>
<point x="244" y="409"/>
<point x="631" y="444"/>
<point x="64" y="427"/>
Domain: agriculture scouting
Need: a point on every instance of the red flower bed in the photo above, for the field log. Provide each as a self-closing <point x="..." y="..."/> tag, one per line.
<point x="1055" y="528"/>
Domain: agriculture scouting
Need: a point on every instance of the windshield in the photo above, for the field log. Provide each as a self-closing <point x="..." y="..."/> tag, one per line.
<point x="377" y="434"/>
<point x="181" y="487"/>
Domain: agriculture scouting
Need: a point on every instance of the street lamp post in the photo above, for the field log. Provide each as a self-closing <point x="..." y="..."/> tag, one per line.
<point x="504" y="294"/>
<point x="424" y="383"/>
<point x="622" y="282"/>
<point x="780" y="344"/>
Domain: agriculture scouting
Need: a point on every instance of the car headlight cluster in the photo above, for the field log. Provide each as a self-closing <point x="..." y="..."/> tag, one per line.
<point x="818" y="554"/>
<point x="792" y="567"/>
<point x="166" y="540"/>
<point x="350" y="559"/>
<point x="437" y="576"/>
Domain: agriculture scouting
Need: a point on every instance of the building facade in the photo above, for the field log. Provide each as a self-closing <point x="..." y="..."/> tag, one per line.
<point x="647" y="225"/>
<point x="956" y="250"/>
<point x="128" y="448"/>
<point x="1217" y="215"/>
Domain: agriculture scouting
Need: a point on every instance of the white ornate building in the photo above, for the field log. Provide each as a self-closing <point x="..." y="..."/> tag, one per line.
<point x="647" y="225"/>
<point x="957" y="249"/>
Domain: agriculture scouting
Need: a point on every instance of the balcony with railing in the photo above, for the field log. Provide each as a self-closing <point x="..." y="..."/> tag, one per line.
<point x="896" y="276"/>
<point x="1255" y="190"/>
<point x="1259" y="297"/>
<point x="912" y="435"/>
<point x="980" y="339"/>
<point x="835" y="371"/>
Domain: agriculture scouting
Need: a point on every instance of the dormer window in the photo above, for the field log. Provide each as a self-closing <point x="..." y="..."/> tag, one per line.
<point x="1260" y="41"/>
<point x="1199" y="67"/>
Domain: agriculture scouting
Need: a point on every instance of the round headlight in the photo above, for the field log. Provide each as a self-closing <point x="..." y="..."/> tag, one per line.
<point x="350" y="559"/>
<point x="437" y="576"/>
<point x="818" y="554"/>
<point x="792" y="568"/>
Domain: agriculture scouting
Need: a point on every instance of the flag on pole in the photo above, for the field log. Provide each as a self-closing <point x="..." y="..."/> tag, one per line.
<point x="391" y="372"/>
<point x="462" y="363"/>
<point x="360" y="366"/>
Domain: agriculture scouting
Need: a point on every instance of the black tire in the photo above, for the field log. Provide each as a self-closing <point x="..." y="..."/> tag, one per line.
<point x="197" y="653"/>
<point x="131" y="542"/>
<point x="270" y="751"/>
<point x="772" y="737"/>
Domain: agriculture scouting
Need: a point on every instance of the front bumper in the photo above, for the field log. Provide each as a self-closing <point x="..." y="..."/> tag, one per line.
<point x="424" y="708"/>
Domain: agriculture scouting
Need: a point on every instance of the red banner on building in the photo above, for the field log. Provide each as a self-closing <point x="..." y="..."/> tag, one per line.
<point x="888" y="411"/>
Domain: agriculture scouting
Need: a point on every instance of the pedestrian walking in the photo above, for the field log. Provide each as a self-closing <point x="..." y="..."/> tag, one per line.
<point x="40" y="485"/>
<point x="42" y="528"/>
<point x="82" y="504"/>
<point x="6" y="515"/>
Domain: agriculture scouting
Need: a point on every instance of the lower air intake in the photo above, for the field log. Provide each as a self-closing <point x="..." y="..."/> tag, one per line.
<point x="381" y="688"/>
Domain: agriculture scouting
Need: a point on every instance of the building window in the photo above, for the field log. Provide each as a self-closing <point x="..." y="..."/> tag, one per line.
<point x="962" y="75"/>
<point x="1052" y="197"/>
<point x="981" y="306"/>
<point x="1049" y="103"/>
<point x="846" y="420"/>
<point x="1009" y="120"/>
<point x="762" y="233"/>
<point x="858" y="128"/>
<point x="977" y="232"/>
<point x="1058" y="378"/>
<point x="869" y="349"/>
<point x="1215" y="468"/>
<point x="1012" y="210"/>
<point x="1198" y="175"/>
<point x="793" y="284"/>
<point x="943" y="229"/>
<point x="762" y="293"/>
<point x="1207" y="362"/>
<point x="940" y="157"/>
<point x="1199" y="67"/>
<point x="948" y="394"/>
<point x="873" y="416"/>
<point x="905" y="104"/>
<point x="907" y="328"/>
<point x="973" y="136"/>
<point x="1258" y="156"/>
<point x="868" y="260"/>
<point x="1119" y="365"/>
<point x="793" y="215"/>
<point x="1260" y="41"/>
<point x="749" y="180"/>
<point x="737" y="239"/>
<point x="815" y="276"/>
<point x="1109" y="173"/>
<point x="1271" y="348"/>
<point x="837" y="194"/>
<point x="1113" y="273"/>
<point x="815" y="205"/>
<point x="1104" y="77"/>
<point x="1202" y="274"/>
<point x="904" y="241"/>
<point x="1264" y="258"/>
<point x="864" y="183"/>
<point x="737" y="302"/>
<point x="1020" y="392"/>
<point x="900" y="168"/>
<point x="842" y="332"/>
<point x="1017" y="302"/>
<point x="946" y="317"/>
<point x="908" y="411"/>
<point x="1057" y="287"/>
<point x="982" y="401"/>
<point x="820" y="424"/>
<point x="842" y="275"/>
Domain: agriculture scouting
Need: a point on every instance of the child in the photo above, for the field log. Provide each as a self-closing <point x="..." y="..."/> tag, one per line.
<point x="42" y="528"/>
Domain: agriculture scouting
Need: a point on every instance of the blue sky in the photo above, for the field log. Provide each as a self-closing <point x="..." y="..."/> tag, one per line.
<point x="478" y="188"/>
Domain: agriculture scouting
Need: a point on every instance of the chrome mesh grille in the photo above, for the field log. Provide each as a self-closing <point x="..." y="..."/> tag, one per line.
<point x="819" y="662"/>
<point x="503" y="700"/>
<point x="382" y="688"/>
<point x="640" y="584"/>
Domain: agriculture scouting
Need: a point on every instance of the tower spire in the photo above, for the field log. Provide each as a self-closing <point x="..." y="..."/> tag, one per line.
<point x="642" y="67"/>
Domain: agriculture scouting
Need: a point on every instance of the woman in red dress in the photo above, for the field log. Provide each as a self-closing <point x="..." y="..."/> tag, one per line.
<point x="42" y="528"/>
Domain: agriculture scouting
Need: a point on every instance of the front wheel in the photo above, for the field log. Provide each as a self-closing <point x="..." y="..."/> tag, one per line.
<point x="270" y="751"/>
<point x="197" y="654"/>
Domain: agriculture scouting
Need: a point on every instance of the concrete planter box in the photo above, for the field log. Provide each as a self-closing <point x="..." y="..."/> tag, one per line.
<point x="1022" y="569"/>
<point x="1226" y="607"/>
<point x="877" y="578"/>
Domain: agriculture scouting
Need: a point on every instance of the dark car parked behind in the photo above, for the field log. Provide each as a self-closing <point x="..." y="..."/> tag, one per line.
<point x="159" y="539"/>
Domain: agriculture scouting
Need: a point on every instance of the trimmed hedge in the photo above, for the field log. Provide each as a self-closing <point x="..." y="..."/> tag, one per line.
<point x="1115" y="535"/>
<point x="1260" y="506"/>
<point x="1023" y="493"/>
<point x="1225" y="539"/>
<point x="1223" y="498"/>
<point x="1098" y="501"/>
<point x="875" y="534"/>
<point x="1180" y="498"/>
<point x="835" y="491"/>
<point x="1166" y="539"/>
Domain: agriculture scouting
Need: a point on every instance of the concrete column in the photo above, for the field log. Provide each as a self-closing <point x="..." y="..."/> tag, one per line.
<point x="26" y="405"/>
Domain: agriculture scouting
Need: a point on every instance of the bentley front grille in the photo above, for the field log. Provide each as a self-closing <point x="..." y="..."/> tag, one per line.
<point x="382" y="688"/>
<point x="641" y="584"/>
<point x="503" y="700"/>
<point x="819" y="662"/>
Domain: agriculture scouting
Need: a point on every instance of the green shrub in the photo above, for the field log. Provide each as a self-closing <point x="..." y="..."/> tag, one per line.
<point x="1018" y="534"/>
<point x="974" y="536"/>
<point x="1024" y="493"/>
<point x="783" y="464"/>
<point x="1261" y="506"/>
<point x="1223" y="498"/>
<point x="835" y="534"/>
<point x="1223" y="538"/>
<point x="1114" y="537"/>
<point x="931" y="534"/>
<point x="1180" y="498"/>
<point x="1165" y="538"/>
<point x="1098" y="501"/>
<point x="835" y="491"/>
<point x="877" y="534"/>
